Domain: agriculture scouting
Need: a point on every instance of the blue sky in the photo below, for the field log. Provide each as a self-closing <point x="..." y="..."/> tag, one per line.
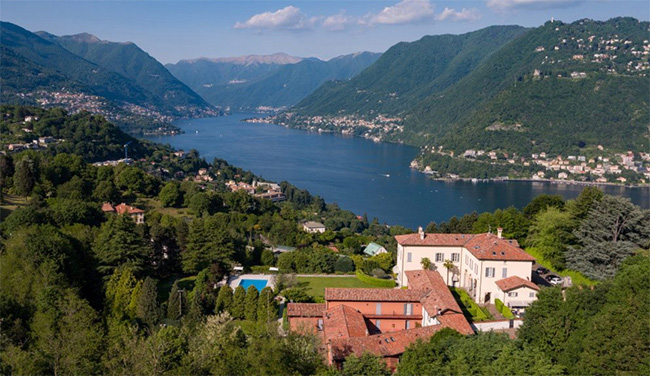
<point x="174" y="30"/>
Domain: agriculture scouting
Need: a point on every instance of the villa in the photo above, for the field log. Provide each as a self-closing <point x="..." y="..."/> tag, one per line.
<point x="380" y="321"/>
<point x="482" y="264"/>
<point x="313" y="227"/>
<point x="136" y="214"/>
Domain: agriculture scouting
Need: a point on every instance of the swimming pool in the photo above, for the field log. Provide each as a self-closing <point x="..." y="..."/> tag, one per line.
<point x="258" y="283"/>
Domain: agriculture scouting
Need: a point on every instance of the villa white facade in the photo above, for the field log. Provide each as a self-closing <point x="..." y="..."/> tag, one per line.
<point x="481" y="263"/>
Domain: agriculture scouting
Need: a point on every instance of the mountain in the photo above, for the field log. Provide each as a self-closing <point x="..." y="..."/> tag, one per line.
<point x="132" y="62"/>
<point x="556" y="88"/>
<point x="39" y="71"/>
<point x="208" y="72"/>
<point x="252" y="84"/>
<point x="408" y="72"/>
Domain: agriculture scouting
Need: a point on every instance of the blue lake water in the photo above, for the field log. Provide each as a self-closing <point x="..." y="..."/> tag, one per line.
<point x="358" y="174"/>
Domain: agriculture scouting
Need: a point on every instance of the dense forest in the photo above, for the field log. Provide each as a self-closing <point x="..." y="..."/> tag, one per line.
<point x="88" y="292"/>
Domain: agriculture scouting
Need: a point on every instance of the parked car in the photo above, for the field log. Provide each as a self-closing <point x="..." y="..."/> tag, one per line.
<point x="553" y="279"/>
<point x="541" y="270"/>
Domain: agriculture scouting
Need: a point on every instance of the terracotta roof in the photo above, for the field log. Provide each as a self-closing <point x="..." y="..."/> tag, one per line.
<point x="305" y="309"/>
<point x="456" y="321"/>
<point x="437" y="295"/>
<point x="372" y="295"/>
<point x="343" y="322"/>
<point x="124" y="208"/>
<point x="433" y="239"/>
<point x="483" y="246"/>
<point x="107" y="207"/>
<point x="490" y="247"/>
<point x="514" y="282"/>
<point x="385" y="344"/>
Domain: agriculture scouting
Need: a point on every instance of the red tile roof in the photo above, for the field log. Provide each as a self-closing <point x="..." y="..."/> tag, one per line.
<point x="514" y="282"/>
<point x="437" y="295"/>
<point x="107" y="207"/>
<point x="305" y="309"/>
<point x="372" y="295"/>
<point x="482" y="246"/>
<point x="343" y="322"/>
<point x="456" y="321"/>
<point x="490" y="247"/>
<point x="385" y="344"/>
<point x="124" y="208"/>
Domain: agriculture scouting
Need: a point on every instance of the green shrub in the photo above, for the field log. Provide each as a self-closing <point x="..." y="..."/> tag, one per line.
<point x="505" y="311"/>
<point x="375" y="281"/>
<point x="260" y="269"/>
<point x="344" y="265"/>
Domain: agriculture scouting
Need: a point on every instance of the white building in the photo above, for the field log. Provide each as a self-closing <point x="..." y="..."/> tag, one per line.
<point x="313" y="227"/>
<point x="480" y="261"/>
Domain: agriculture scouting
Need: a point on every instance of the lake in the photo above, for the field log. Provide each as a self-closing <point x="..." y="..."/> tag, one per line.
<point x="358" y="174"/>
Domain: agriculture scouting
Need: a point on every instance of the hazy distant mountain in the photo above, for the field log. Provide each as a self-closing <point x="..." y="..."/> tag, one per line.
<point x="132" y="62"/>
<point x="279" y="80"/>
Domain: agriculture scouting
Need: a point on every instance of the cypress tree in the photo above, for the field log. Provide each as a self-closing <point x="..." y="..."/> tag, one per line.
<point x="250" y="306"/>
<point x="266" y="309"/>
<point x="238" y="303"/>
<point x="147" y="308"/>
<point x="224" y="299"/>
<point x="175" y="304"/>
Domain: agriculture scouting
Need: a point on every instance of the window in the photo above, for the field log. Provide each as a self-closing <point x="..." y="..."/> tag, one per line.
<point x="440" y="257"/>
<point x="378" y="309"/>
<point x="532" y="295"/>
<point x="455" y="257"/>
<point x="408" y="324"/>
<point x="489" y="272"/>
<point x="512" y="294"/>
<point x="471" y="264"/>
<point x="408" y="257"/>
<point x="408" y="309"/>
<point x="504" y="273"/>
<point x="320" y="325"/>
<point x="378" y="324"/>
<point x="476" y="269"/>
<point x="466" y="261"/>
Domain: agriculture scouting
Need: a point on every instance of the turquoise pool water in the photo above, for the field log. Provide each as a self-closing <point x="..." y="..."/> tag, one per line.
<point x="258" y="283"/>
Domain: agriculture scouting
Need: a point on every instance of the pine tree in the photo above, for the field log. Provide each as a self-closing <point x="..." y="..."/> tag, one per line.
<point x="147" y="308"/>
<point x="266" y="307"/>
<point x="224" y="299"/>
<point x="25" y="177"/>
<point x="250" y="306"/>
<point x="175" y="304"/>
<point x="238" y="303"/>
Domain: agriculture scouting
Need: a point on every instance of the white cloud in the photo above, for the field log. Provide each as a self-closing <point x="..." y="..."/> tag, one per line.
<point x="404" y="12"/>
<point x="463" y="15"/>
<point x="339" y="22"/>
<point x="506" y="4"/>
<point x="288" y="18"/>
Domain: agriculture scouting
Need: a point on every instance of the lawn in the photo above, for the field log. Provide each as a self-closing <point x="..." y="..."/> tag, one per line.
<point x="577" y="278"/>
<point x="165" y="286"/>
<point x="316" y="285"/>
<point x="155" y="205"/>
<point x="10" y="203"/>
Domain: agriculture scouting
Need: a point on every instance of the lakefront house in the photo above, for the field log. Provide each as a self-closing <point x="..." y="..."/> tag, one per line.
<point x="482" y="264"/>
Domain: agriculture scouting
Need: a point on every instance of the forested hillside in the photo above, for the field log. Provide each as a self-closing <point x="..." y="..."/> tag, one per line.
<point x="121" y="84"/>
<point x="130" y="61"/>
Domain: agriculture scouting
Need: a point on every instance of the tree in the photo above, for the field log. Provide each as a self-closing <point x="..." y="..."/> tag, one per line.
<point x="266" y="308"/>
<point x="250" y="305"/>
<point x="25" y="176"/>
<point x="449" y="265"/>
<point x="612" y="231"/>
<point x="203" y="204"/>
<point x="551" y="234"/>
<point x="170" y="195"/>
<point x="147" y="308"/>
<point x="238" y="303"/>
<point x="580" y="207"/>
<point x="426" y="263"/>
<point x="344" y="264"/>
<point x="267" y="257"/>
<point x="106" y="191"/>
<point x="120" y="289"/>
<point x="120" y="243"/>
<point x="176" y="305"/>
<point x="224" y="299"/>
<point x="541" y="203"/>
<point x="365" y="365"/>
<point x="209" y="242"/>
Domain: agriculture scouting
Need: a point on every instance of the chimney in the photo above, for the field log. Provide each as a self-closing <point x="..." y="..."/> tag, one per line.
<point x="421" y="232"/>
<point x="500" y="233"/>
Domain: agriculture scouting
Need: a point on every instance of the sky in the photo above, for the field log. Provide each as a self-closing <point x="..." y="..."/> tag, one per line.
<point x="175" y="30"/>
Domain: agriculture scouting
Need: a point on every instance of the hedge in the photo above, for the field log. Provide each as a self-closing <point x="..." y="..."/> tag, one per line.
<point x="375" y="281"/>
<point x="505" y="311"/>
<point x="470" y="306"/>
